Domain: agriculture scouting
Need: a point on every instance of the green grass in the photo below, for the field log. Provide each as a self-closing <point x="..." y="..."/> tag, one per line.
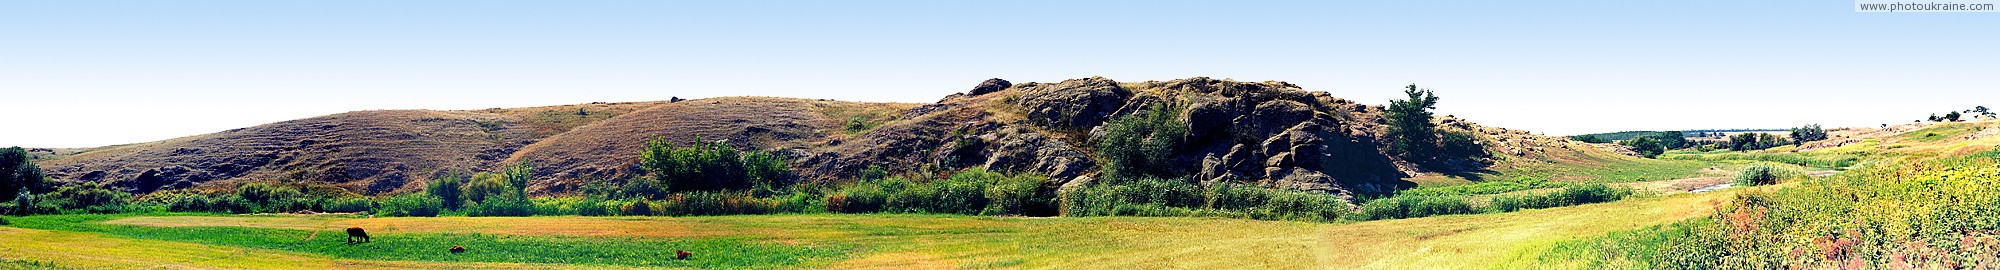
<point x="1941" y="132"/>
<point x="1610" y="171"/>
<point x="716" y="252"/>
<point x="840" y="241"/>
<point x="1815" y="160"/>
<point x="1917" y="213"/>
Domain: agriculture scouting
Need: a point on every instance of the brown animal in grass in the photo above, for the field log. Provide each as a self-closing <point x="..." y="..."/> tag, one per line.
<point x="457" y="249"/>
<point x="681" y="254"/>
<point x="356" y="232"/>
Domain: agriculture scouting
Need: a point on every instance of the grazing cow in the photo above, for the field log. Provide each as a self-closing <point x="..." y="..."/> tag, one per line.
<point x="681" y="254"/>
<point x="457" y="249"/>
<point x="356" y="232"/>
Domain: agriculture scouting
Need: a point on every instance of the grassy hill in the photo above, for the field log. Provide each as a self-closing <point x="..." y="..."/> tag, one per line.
<point x="1238" y="134"/>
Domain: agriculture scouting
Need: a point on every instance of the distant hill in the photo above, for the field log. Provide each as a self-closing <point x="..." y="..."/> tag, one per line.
<point x="1271" y="134"/>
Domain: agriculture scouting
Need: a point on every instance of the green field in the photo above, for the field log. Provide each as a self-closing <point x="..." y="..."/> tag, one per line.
<point x="820" y="241"/>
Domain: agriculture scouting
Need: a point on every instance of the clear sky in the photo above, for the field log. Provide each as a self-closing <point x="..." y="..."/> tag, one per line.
<point x="92" y="73"/>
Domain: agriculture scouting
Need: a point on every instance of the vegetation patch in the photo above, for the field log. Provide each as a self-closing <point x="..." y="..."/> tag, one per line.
<point x="1914" y="213"/>
<point x="716" y="252"/>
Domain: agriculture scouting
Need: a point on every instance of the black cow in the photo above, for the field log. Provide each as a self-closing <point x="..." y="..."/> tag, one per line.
<point x="356" y="232"/>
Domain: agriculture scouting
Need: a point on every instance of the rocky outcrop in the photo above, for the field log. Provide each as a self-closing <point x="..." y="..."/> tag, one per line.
<point x="990" y="86"/>
<point x="1018" y="150"/>
<point x="1072" y="104"/>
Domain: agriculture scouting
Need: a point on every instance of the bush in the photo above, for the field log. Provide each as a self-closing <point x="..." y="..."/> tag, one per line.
<point x="348" y="205"/>
<point x="641" y="187"/>
<point x="1173" y="197"/>
<point x="593" y="206"/>
<point x="1142" y="144"/>
<point x="501" y="205"/>
<point x="89" y="198"/>
<point x="485" y="185"/>
<point x="272" y="198"/>
<point x="412" y="205"/>
<point x="968" y="192"/>
<point x="710" y="166"/>
<point x="448" y="188"/>
<point x="635" y="207"/>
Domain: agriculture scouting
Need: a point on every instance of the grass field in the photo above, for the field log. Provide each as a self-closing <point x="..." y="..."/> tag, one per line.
<point x="822" y="241"/>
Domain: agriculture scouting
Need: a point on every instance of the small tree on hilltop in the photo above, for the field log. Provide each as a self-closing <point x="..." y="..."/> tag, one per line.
<point x="1411" y="134"/>
<point x="1807" y="133"/>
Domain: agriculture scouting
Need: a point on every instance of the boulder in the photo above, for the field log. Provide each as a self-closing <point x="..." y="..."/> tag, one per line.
<point x="1017" y="150"/>
<point x="1271" y="117"/>
<point x="1304" y="179"/>
<point x="990" y="85"/>
<point x="1211" y="118"/>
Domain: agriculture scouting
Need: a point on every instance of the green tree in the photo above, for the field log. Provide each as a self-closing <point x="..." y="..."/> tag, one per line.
<point x="18" y="174"/>
<point x="448" y="188"/>
<point x="486" y="185"/>
<point x="1411" y="134"/>
<point x="1142" y="144"/>
<point x="1646" y="146"/>
<point x="1951" y="117"/>
<point x="1801" y="135"/>
<point x="1589" y="138"/>
<point x="518" y="176"/>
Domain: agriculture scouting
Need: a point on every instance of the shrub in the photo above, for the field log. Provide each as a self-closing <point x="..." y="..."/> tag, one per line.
<point x="1172" y="197"/>
<point x="501" y="205"/>
<point x="448" y="188"/>
<point x="347" y="205"/>
<point x="1461" y="145"/>
<point x="272" y="198"/>
<point x="1142" y="144"/>
<point x="412" y="205"/>
<point x="641" y="187"/>
<point x="485" y="185"/>
<point x="863" y="197"/>
<point x="596" y="207"/>
<point x="231" y="203"/>
<point x="635" y="207"/>
<point x="710" y="166"/>
<point x="89" y="198"/>
<point x="1016" y="195"/>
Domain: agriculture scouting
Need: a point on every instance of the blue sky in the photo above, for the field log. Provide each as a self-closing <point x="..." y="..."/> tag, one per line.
<point x="110" y="72"/>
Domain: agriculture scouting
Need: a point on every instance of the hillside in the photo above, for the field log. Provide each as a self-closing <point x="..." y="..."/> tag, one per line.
<point x="1271" y="134"/>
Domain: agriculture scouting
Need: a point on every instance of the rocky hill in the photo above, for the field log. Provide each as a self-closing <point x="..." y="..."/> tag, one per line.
<point x="1272" y="134"/>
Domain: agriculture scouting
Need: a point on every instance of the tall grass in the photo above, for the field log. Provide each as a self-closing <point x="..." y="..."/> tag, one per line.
<point x="1175" y="197"/>
<point x="1809" y="160"/>
<point x="1914" y="213"/>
